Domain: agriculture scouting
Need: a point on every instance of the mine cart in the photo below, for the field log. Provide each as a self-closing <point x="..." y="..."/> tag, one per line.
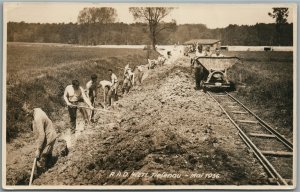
<point x="217" y="71"/>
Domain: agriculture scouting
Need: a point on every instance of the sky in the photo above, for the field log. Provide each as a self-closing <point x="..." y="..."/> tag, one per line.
<point x="212" y="15"/>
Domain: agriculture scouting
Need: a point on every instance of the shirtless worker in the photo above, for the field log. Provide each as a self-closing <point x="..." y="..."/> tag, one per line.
<point x="46" y="135"/>
<point x="74" y="97"/>
<point x="105" y="85"/>
<point x="91" y="90"/>
<point x="112" y="93"/>
<point x="128" y="79"/>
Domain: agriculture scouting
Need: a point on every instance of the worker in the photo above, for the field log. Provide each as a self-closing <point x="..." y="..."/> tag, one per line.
<point x="45" y="133"/>
<point x="208" y="52"/>
<point x="105" y="85"/>
<point x="128" y="79"/>
<point x="199" y="52"/>
<point x="112" y="93"/>
<point x="161" y="60"/>
<point x="138" y="74"/>
<point x="75" y="97"/>
<point x="218" y="53"/>
<point x="198" y="68"/>
<point x="91" y="90"/>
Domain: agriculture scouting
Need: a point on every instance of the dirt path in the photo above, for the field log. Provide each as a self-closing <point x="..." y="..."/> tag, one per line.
<point x="163" y="132"/>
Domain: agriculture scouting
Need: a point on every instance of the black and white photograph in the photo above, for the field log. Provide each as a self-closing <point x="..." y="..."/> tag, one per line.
<point x="149" y="96"/>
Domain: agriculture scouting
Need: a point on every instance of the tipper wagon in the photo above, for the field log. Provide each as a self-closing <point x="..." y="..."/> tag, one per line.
<point x="217" y="71"/>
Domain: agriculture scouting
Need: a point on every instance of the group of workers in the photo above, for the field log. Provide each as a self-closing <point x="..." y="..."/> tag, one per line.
<point x="76" y="98"/>
<point x="84" y="100"/>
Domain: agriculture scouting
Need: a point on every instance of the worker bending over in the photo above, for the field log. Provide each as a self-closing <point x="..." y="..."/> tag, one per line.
<point x="45" y="133"/>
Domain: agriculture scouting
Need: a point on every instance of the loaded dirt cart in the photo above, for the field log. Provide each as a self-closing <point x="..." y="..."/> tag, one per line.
<point x="215" y="69"/>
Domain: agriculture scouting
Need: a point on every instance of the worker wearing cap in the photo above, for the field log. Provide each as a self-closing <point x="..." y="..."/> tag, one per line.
<point x="45" y="133"/>
<point x="91" y="90"/>
<point x="112" y="93"/>
<point x="74" y="97"/>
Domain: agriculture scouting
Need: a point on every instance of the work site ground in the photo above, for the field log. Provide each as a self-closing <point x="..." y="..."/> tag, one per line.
<point x="162" y="132"/>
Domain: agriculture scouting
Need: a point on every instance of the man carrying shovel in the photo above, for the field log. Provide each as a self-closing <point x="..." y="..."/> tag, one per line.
<point x="46" y="135"/>
<point x="75" y="97"/>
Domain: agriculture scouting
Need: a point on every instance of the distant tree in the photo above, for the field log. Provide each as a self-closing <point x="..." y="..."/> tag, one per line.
<point x="94" y="15"/>
<point x="154" y="17"/>
<point x="280" y="14"/>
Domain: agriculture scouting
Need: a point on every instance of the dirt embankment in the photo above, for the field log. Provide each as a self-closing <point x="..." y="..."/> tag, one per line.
<point x="163" y="132"/>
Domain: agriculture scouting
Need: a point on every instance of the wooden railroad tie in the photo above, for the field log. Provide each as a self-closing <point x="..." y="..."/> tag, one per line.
<point x="232" y="106"/>
<point x="247" y="121"/>
<point x="274" y="181"/>
<point x="230" y="102"/>
<point x="278" y="153"/>
<point x="262" y="135"/>
<point x="239" y="112"/>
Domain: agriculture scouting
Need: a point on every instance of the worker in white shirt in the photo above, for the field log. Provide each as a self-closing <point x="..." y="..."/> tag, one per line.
<point x="74" y="97"/>
<point x="112" y="93"/>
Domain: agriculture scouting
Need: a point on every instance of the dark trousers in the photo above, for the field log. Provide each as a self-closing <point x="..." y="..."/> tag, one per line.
<point x="92" y="98"/>
<point x="198" y="77"/>
<point x="72" y="113"/>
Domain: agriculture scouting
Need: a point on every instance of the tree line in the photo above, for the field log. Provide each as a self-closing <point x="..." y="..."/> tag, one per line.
<point x="137" y="34"/>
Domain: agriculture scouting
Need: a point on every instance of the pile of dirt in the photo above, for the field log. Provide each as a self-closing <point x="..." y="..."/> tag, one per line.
<point x="163" y="132"/>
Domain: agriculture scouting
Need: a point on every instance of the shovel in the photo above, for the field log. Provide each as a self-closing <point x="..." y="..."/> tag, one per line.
<point x="102" y="110"/>
<point x="32" y="171"/>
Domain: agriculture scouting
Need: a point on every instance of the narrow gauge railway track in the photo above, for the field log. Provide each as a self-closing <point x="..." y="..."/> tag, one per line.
<point x="274" y="152"/>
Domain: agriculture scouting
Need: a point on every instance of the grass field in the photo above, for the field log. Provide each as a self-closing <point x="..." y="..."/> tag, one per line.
<point x="268" y="86"/>
<point x="39" y="73"/>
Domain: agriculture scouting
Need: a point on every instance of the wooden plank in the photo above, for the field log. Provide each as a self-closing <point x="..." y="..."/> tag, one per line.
<point x="247" y="121"/>
<point x="262" y="135"/>
<point x="230" y="102"/>
<point x="274" y="181"/>
<point x="239" y="112"/>
<point x="278" y="153"/>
